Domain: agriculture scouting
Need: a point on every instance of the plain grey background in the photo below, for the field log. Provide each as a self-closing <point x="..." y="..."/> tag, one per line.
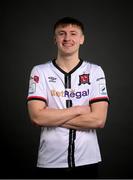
<point x="27" y="40"/>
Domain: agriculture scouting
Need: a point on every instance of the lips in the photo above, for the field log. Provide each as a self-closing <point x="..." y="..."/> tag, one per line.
<point x="67" y="44"/>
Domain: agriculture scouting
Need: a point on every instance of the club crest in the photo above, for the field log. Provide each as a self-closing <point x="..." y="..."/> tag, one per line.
<point x="84" y="79"/>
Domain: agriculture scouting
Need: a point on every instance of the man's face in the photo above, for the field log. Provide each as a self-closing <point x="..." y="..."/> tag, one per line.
<point x="68" y="39"/>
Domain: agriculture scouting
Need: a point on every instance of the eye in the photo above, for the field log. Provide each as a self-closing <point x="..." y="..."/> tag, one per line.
<point x="61" y="33"/>
<point x="73" y="33"/>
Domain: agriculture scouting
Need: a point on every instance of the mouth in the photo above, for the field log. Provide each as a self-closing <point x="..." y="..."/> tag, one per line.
<point x="67" y="44"/>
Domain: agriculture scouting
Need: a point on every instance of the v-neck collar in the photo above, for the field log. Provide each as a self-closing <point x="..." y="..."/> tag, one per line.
<point x="70" y="72"/>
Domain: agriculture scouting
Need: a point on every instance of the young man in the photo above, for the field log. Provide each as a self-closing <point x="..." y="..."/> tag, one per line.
<point x="68" y="99"/>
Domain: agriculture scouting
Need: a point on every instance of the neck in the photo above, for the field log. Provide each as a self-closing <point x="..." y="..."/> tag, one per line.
<point x="67" y="63"/>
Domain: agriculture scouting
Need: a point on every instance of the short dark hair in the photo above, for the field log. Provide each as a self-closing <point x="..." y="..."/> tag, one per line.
<point x="69" y="20"/>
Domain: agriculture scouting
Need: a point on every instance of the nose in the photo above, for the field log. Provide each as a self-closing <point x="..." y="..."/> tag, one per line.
<point x="67" y="37"/>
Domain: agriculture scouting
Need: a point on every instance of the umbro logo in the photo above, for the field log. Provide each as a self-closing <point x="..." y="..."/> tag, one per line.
<point x="52" y="79"/>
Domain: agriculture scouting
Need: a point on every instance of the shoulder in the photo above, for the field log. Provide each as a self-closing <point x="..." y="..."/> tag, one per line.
<point x="95" y="70"/>
<point x="92" y="66"/>
<point x="42" y="67"/>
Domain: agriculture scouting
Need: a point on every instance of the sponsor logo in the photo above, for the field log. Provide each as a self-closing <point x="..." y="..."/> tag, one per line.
<point x="98" y="79"/>
<point x="102" y="89"/>
<point x="70" y="93"/>
<point x="32" y="85"/>
<point x="84" y="79"/>
<point x="32" y="88"/>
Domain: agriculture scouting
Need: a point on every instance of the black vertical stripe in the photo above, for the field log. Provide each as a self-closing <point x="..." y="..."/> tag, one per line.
<point x="67" y="81"/>
<point x="71" y="148"/>
<point x="68" y="103"/>
<point x="72" y="136"/>
<point x="72" y="132"/>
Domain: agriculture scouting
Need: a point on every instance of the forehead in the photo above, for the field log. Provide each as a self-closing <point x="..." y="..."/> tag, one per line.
<point x="68" y="27"/>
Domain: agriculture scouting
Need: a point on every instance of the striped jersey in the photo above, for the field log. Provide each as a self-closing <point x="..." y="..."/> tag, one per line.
<point x="83" y="85"/>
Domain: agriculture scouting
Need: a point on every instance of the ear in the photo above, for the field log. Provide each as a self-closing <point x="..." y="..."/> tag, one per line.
<point x="82" y="40"/>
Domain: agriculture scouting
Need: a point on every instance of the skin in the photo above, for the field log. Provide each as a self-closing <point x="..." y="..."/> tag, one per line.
<point x="68" y="39"/>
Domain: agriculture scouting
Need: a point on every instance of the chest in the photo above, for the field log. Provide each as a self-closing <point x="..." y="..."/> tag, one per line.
<point x="75" y="86"/>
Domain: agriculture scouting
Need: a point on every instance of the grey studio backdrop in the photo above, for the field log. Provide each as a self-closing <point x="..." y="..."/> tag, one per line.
<point x="27" y="40"/>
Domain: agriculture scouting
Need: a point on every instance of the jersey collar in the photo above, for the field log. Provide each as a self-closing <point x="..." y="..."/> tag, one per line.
<point x="74" y="69"/>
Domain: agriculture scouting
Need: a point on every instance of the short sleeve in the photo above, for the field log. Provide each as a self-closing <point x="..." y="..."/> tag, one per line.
<point x="37" y="85"/>
<point x="98" y="91"/>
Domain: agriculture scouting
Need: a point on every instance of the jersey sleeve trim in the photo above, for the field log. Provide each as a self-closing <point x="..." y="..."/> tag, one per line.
<point x="98" y="99"/>
<point x="36" y="98"/>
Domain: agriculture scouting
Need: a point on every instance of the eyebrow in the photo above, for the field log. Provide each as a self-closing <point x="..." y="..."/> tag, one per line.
<point x="73" y="31"/>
